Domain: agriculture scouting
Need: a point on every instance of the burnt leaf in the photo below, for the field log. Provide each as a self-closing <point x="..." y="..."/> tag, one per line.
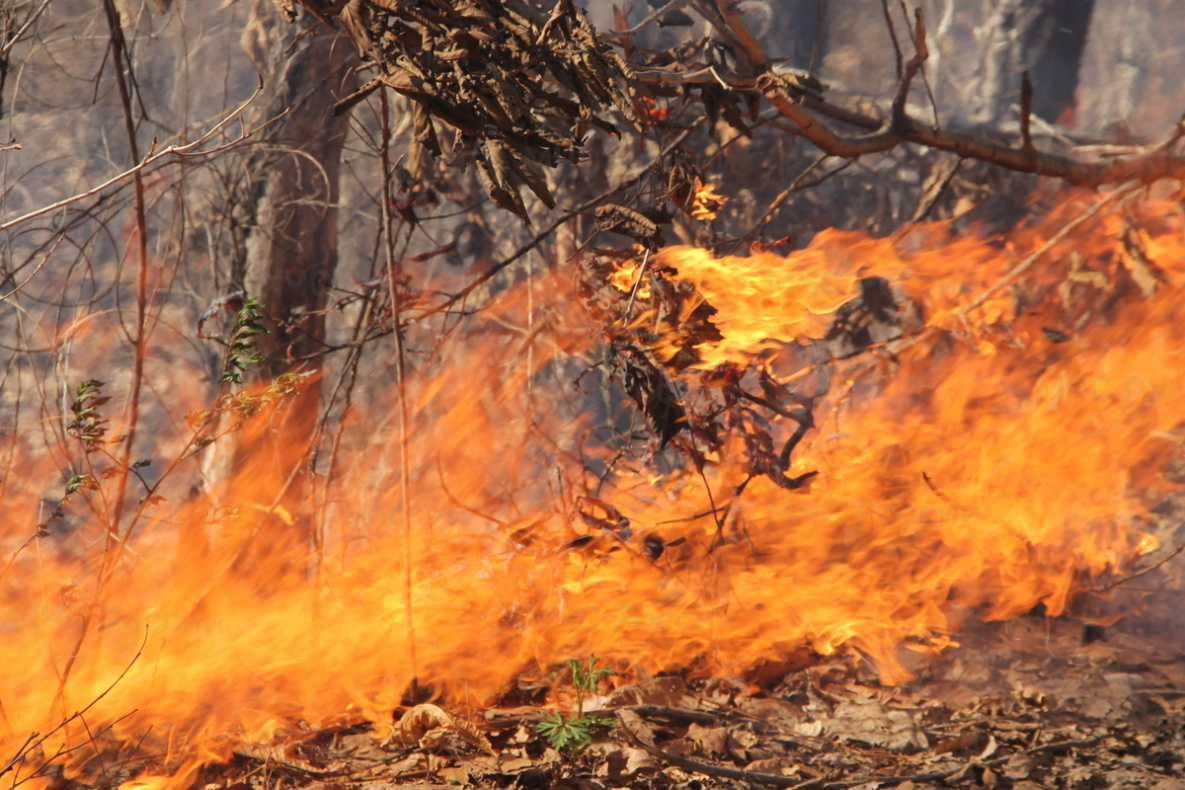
<point x="424" y="132"/>
<point x="628" y="222"/>
<point x="865" y="321"/>
<point x="532" y="82"/>
<point x="531" y="174"/>
<point x="653" y="547"/>
<point x="649" y="388"/>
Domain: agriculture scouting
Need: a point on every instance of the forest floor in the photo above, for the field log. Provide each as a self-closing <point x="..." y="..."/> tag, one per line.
<point x="1027" y="704"/>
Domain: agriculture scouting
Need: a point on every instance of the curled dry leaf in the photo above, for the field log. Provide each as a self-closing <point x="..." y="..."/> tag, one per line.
<point x="627" y="221"/>
<point x="496" y="182"/>
<point x="424" y="726"/>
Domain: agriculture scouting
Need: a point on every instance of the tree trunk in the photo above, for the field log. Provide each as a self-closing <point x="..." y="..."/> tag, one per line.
<point x="1130" y="84"/>
<point x="289" y="262"/>
<point x="978" y="52"/>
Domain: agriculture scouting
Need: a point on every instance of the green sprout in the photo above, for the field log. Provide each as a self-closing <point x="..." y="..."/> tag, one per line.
<point x="88" y="424"/>
<point x="572" y="734"/>
<point x="240" y="348"/>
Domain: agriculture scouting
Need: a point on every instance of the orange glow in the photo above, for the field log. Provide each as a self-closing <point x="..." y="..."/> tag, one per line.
<point x="982" y="463"/>
<point x="706" y="201"/>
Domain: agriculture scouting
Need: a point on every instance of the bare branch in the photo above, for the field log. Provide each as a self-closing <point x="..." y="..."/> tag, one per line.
<point x="921" y="52"/>
<point x="736" y="25"/>
<point x="893" y="37"/>
<point x="186" y="150"/>
<point x="816" y="44"/>
<point x="33" y="17"/>
<point x="1120" y="195"/>
<point x="1026" y="110"/>
<point x="1142" y="164"/>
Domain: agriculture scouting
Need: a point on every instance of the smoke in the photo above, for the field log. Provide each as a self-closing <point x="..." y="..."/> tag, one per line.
<point x="758" y="15"/>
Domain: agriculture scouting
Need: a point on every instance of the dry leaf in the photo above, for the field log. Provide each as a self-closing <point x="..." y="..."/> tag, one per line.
<point x="868" y="721"/>
<point x="503" y="195"/>
<point x="424" y="725"/>
<point x="711" y="741"/>
<point x="531" y="174"/>
<point x="668" y="690"/>
<point x="624" y="220"/>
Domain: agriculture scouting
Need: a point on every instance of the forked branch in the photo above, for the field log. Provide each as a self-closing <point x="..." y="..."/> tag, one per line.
<point x="1142" y="164"/>
<point x="595" y="76"/>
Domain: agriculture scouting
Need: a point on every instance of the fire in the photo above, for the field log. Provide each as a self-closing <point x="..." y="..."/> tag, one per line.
<point x="706" y="201"/>
<point x="1000" y="451"/>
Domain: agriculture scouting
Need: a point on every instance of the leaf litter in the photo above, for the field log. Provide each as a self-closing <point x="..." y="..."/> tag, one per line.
<point x="1027" y="704"/>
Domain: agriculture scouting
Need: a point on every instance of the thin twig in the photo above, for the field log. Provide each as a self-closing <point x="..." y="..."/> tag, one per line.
<point x="923" y="210"/>
<point x="1026" y="110"/>
<point x="657" y="13"/>
<point x="921" y="52"/>
<point x="719" y="771"/>
<point x="33" y="17"/>
<point x="35" y="740"/>
<point x="1031" y="258"/>
<point x="815" y="46"/>
<point x="565" y="217"/>
<point x="819" y="783"/>
<point x="925" y="80"/>
<point x="893" y="36"/>
<point x="637" y="284"/>
<point x="389" y="234"/>
<point x="121" y="58"/>
<point x="44" y="260"/>
<point x="151" y="159"/>
<point x="777" y="202"/>
<point x="453" y="498"/>
<point x="1143" y="572"/>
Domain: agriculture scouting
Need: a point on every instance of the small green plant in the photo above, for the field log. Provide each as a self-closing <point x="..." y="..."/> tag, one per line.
<point x="240" y="348"/>
<point x="88" y="424"/>
<point x="572" y="734"/>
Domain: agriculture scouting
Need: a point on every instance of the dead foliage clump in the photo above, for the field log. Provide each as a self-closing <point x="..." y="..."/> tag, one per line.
<point x="501" y="83"/>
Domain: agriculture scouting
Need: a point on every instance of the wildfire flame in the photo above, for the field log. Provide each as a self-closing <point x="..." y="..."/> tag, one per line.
<point x="706" y="201"/>
<point x="981" y="463"/>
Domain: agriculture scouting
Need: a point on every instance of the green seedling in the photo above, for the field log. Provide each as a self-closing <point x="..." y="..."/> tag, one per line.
<point x="571" y="734"/>
<point x="240" y="348"/>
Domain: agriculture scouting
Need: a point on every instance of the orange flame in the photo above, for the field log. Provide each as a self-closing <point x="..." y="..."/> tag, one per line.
<point x="706" y="201"/>
<point x="982" y="463"/>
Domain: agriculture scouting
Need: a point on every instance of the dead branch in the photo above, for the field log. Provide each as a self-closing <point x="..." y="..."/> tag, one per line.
<point x="560" y="220"/>
<point x="1120" y="195"/>
<point x="506" y="110"/>
<point x="394" y="267"/>
<point x="20" y="32"/>
<point x="921" y="53"/>
<point x="893" y="37"/>
<point x="1142" y="164"/>
<point x="657" y="14"/>
<point x="819" y="783"/>
<point x="186" y="150"/>
<point x="1142" y="572"/>
<point x="1026" y="110"/>
<point x="35" y="739"/>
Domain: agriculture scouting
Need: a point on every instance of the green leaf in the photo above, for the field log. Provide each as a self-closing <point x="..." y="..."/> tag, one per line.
<point x="80" y="481"/>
